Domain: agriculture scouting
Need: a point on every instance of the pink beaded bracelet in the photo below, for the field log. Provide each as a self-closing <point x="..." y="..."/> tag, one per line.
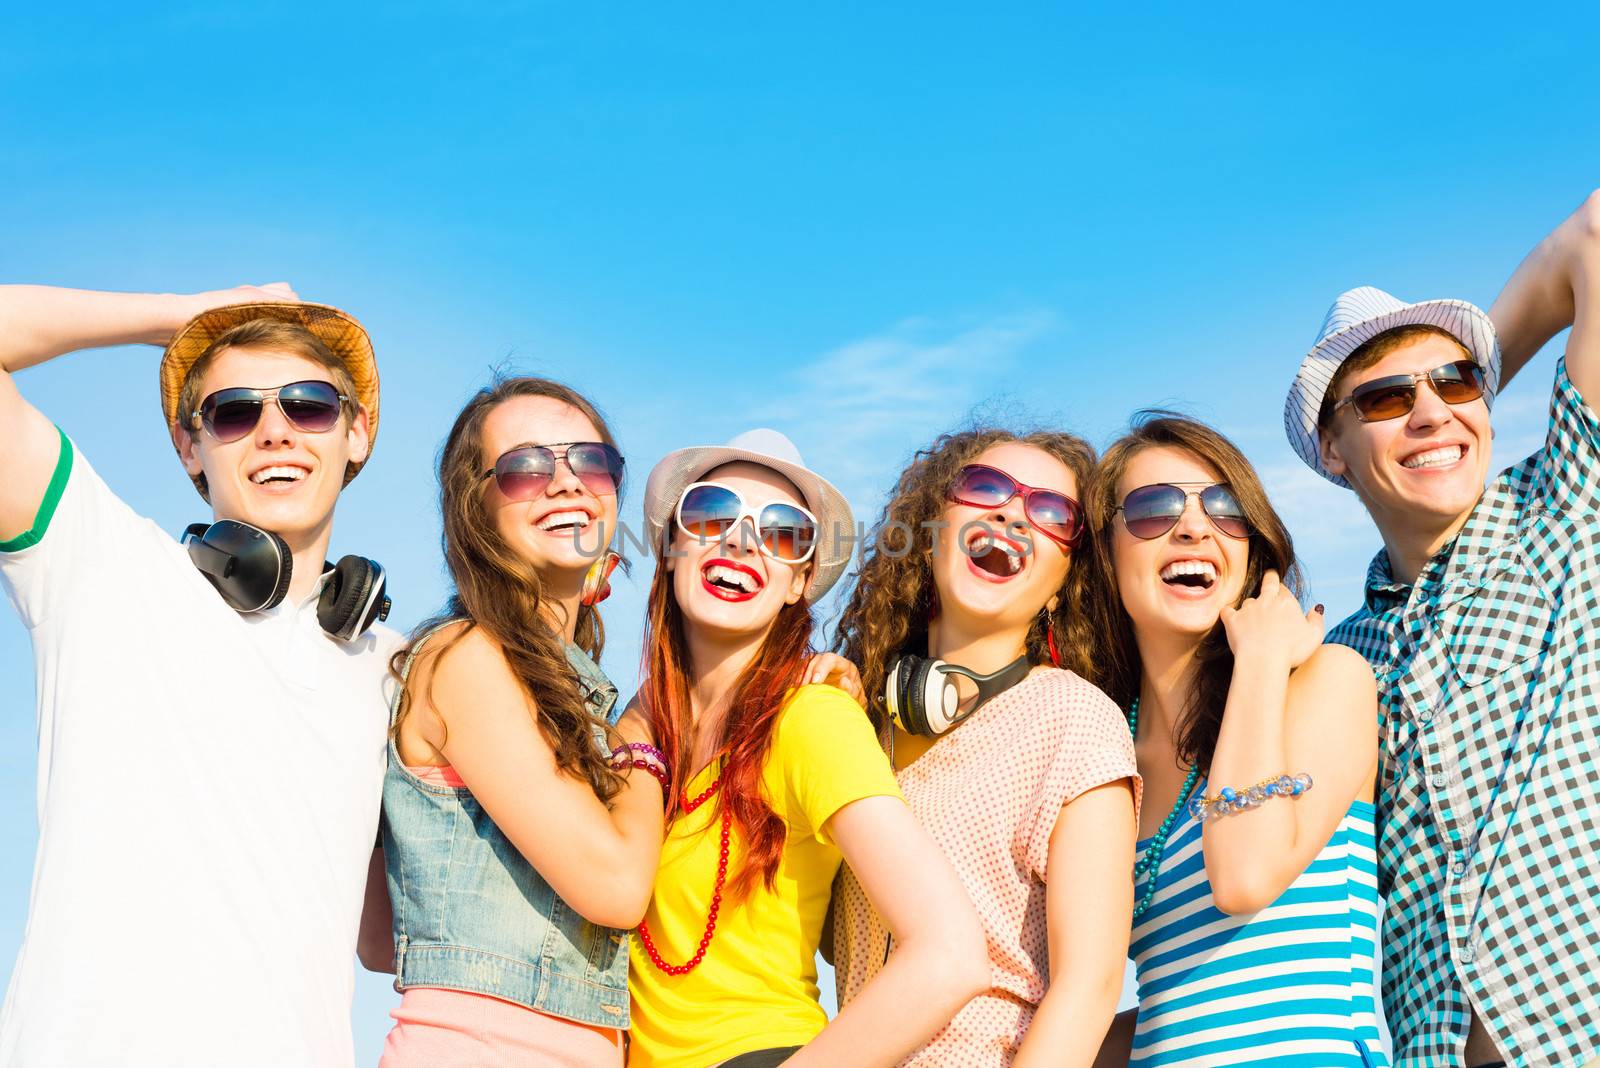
<point x="622" y="752"/>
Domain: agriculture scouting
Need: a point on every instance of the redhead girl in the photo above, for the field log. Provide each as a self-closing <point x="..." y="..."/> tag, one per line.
<point x="1257" y="911"/>
<point x="772" y="784"/>
<point x="519" y="852"/>
<point x="1025" y="780"/>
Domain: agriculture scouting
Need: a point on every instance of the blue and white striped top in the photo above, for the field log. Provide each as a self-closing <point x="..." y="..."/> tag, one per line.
<point x="1291" y="984"/>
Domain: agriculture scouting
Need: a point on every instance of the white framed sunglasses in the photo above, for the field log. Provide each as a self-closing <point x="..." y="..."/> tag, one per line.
<point x="786" y="532"/>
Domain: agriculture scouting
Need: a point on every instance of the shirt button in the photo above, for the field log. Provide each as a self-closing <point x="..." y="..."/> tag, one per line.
<point x="1438" y="780"/>
<point x="1458" y="868"/>
<point x="1466" y="953"/>
<point x="1424" y="711"/>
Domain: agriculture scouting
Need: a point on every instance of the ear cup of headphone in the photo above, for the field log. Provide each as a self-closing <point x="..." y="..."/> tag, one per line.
<point x="922" y="699"/>
<point x="894" y="690"/>
<point x="936" y="698"/>
<point x="916" y="697"/>
<point x="250" y="567"/>
<point x="285" y="573"/>
<point x="348" y="602"/>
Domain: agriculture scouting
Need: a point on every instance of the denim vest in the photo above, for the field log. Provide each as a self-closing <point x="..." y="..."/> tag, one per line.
<point x="471" y="914"/>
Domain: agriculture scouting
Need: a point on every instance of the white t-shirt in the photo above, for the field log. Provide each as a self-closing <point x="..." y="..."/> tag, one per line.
<point x="209" y="787"/>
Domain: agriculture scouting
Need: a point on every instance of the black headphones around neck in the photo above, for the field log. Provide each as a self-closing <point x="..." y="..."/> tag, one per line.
<point x="922" y="698"/>
<point x="252" y="568"/>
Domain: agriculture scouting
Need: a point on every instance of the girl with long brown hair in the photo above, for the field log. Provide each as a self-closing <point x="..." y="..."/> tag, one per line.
<point x="772" y="783"/>
<point x="522" y="822"/>
<point x="1021" y="771"/>
<point x="1255" y="920"/>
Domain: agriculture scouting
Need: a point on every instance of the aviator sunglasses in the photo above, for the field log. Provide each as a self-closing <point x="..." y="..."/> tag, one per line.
<point x="1050" y="512"/>
<point x="1150" y="511"/>
<point x="311" y="407"/>
<point x="786" y="532"/>
<point x="1392" y="396"/>
<point x="523" y="473"/>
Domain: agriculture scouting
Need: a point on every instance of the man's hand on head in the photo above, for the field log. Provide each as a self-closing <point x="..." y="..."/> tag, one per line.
<point x="271" y="293"/>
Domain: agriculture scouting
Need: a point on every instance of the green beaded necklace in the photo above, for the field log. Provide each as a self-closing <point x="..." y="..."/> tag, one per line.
<point x="1150" y="863"/>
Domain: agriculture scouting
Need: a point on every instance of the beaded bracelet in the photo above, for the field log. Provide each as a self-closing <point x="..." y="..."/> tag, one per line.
<point x="658" y="770"/>
<point x="654" y="760"/>
<point x="1230" y="800"/>
<point x="622" y="752"/>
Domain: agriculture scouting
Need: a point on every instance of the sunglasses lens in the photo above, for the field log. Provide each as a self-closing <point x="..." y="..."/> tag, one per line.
<point x="787" y="533"/>
<point x="706" y="512"/>
<point x="311" y="406"/>
<point x="1055" y="513"/>
<point x="597" y="465"/>
<point x="1226" y="513"/>
<point x="230" y="414"/>
<point x="523" y="474"/>
<point x="1458" y="382"/>
<point x="1151" y="511"/>
<point x="1387" y="398"/>
<point x="982" y="487"/>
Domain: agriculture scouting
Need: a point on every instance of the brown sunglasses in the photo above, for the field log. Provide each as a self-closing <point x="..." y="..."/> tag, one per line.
<point x="1392" y="396"/>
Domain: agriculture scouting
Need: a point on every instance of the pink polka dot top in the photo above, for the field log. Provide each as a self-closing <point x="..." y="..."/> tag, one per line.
<point x="989" y="794"/>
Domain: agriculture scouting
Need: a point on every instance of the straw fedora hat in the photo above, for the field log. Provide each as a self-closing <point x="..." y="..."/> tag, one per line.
<point x="345" y="338"/>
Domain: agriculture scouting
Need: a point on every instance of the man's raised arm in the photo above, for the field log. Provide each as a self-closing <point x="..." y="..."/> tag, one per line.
<point x="1556" y="286"/>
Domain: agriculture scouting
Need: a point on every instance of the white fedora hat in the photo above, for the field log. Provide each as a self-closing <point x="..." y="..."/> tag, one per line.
<point x="1357" y="317"/>
<point x="835" y="522"/>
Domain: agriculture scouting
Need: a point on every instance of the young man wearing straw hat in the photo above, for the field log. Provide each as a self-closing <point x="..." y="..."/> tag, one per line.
<point x="1482" y="621"/>
<point x="211" y="713"/>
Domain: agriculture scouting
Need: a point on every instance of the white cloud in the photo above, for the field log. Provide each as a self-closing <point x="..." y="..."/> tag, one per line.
<point x="880" y="397"/>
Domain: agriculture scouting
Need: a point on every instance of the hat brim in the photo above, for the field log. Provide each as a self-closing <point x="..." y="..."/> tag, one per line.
<point x="345" y="338"/>
<point x="1462" y="320"/>
<point x="835" y="519"/>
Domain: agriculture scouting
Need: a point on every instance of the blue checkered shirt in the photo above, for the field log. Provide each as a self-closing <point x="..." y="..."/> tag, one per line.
<point x="1489" y="783"/>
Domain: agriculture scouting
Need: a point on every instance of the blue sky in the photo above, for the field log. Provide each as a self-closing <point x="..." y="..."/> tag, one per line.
<point x="858" y="226"/>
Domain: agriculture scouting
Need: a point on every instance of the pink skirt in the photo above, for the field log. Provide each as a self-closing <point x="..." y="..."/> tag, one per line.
<point x="435" y="1028"/>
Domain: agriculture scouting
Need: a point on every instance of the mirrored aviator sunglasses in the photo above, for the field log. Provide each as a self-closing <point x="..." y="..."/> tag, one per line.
<point x="523" y="473"/>
<point x="786" y="532"/>
<point x="1051" y="512"/>
<point x="1150" y="511"/>
<point x="312" y="407"/>
<point x="1393" y="396"/>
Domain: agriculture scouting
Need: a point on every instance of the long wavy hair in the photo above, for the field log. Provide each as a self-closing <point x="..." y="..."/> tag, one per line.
<point x="1115" y="664"/>
<point x="746" y="740"/>
<point x="499" y="592"/>
<point x="894" y="597"/>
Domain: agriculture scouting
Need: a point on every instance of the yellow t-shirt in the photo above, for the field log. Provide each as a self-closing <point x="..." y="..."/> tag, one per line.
<point x="757" y="986"/>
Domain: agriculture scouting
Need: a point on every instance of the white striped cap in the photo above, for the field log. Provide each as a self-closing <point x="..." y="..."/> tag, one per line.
<point x="1358" y="316"/>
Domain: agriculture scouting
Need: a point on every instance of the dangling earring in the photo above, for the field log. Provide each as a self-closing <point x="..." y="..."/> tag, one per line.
<point x="597" y="581"/>
<point x="1050" y="638"/>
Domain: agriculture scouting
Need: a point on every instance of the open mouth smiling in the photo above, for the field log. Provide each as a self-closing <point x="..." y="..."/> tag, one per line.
<point x="729" y="581"/>
<point x="1190" y="574"/>
<point x="566" y="521"/>
<point x="1435" y="456"/>
<point x="995" y="557"/>
<point x="280" y="475"/>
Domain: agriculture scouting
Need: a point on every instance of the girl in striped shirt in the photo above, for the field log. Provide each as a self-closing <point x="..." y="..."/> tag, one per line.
<point x="1255" y="914"/>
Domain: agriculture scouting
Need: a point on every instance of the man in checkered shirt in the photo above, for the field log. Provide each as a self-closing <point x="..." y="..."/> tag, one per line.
<point x="1480" y="618"/>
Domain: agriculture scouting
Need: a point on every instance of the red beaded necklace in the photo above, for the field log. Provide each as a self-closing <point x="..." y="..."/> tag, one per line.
<point x="689" y="805"/>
